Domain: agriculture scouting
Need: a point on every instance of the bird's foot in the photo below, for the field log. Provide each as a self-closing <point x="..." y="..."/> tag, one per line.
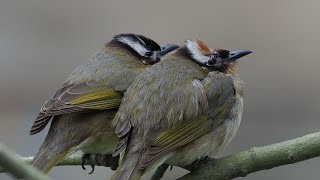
<point x="100" y="160"/>
<point x="85" y="159"/>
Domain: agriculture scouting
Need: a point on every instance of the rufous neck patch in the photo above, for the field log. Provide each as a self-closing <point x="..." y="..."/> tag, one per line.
<point x="203" y="47"/>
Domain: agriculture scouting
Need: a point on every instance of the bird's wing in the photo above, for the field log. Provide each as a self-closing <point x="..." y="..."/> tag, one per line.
<point x="76" y="98"/>
<point x="220" y="93"/>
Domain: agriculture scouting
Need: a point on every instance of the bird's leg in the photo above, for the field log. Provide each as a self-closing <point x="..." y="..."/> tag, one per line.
<point x="107" y="160"/>
<point x="114" y="162"/>
<point x="100" y="160"/>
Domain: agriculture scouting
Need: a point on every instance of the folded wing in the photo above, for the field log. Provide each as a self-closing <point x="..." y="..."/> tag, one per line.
<point x="77" y="98"/>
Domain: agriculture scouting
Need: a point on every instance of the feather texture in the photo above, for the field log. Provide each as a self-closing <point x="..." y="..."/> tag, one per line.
<point x="171" y="106"/>
<point x="82" y="110"/>
<point x="80" y="97"/>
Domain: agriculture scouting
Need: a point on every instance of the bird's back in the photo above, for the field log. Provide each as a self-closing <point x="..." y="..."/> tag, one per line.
<point x="167" y="91"/>
<point x="114" y="65"/>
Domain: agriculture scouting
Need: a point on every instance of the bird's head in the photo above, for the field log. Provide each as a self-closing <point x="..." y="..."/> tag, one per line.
<point x="148" y="50"/>
<point x="218" y="59"/>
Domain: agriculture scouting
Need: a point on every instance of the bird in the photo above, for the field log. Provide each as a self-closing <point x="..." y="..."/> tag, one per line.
<point x="183" y="109"/>
<point x="82" y="109"/>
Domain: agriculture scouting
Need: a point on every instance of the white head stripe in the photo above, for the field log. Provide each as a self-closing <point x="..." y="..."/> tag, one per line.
<point x="139" y="48"/>
<point x="141" y="41"/>
<point x="196" y="53"/>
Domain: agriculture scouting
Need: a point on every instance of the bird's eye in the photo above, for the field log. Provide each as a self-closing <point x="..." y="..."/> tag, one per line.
<point x="148" y="54"/>
<point x="211" y="62"/>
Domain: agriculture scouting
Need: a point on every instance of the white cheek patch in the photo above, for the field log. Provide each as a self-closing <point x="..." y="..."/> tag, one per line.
<point x="154" y="55"/>
<point x="139" y="48"/>
<point x="197" y="55"/>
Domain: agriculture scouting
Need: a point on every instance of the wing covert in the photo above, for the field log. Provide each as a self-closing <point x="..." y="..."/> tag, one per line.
<point x="77" y="98"/>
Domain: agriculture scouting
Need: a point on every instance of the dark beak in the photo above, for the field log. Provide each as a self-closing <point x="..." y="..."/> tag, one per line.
<point x="234" y="55"/>
<point x="165" y="49"/>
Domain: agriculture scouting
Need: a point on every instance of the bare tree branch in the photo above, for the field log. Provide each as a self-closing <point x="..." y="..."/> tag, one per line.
<point x="18" y="168"/>
<point x="75" y="160"/>
<point x="239" y="164"/>
<point x="258" y="158"/>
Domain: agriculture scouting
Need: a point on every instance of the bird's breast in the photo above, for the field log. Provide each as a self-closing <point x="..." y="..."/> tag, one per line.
<point x="213" y="142"/>
<point x="234" y="121"/>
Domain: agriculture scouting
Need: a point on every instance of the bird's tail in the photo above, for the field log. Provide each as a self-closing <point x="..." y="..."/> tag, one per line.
<point x="45" y="160"/>
<point x="128" y="169"/>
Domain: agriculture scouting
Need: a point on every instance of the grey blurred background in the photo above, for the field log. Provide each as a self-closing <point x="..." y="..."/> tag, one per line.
<point x="41" y="42"/>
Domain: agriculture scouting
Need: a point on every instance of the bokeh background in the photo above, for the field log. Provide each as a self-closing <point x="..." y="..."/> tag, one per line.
<point x="41" y="42"/>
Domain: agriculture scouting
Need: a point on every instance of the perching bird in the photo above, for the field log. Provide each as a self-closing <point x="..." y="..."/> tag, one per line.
<point x="81" y="111"/>
<point x="182" y="109"/>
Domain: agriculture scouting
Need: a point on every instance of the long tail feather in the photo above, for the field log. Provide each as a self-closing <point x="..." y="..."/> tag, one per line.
<point x="128" y="169"/>
<point x="45" y="160"/>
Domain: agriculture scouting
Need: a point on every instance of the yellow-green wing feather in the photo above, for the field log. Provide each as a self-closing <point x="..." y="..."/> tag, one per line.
<point x="77" y="98"/>
<point x="220" y="93"/>
<point x="169" y="140"/>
